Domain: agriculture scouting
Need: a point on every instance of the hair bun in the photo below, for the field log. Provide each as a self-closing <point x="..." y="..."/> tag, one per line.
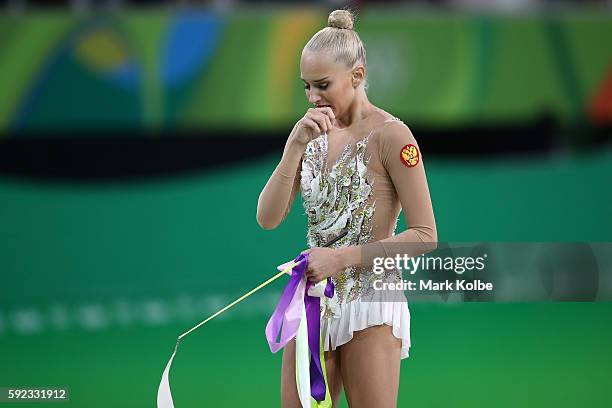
<point x="341" y="19"/>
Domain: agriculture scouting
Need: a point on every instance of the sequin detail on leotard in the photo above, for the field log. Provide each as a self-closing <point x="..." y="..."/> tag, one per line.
<point x="336" y="200"/>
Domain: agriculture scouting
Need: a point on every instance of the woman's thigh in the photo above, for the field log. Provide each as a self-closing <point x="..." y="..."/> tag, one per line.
<point x="371" y="368"/>
<point x="289" y="394"/>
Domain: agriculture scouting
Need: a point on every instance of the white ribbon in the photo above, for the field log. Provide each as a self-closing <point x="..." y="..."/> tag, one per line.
<point x="164" y="395"/>
<point x="302" y="354"/>
<point x="302" y="351"/>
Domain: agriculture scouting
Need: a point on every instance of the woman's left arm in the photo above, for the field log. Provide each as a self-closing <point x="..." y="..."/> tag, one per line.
<point x="402" y="158"/>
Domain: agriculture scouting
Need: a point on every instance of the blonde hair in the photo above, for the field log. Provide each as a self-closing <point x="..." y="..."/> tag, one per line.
<point x="339" y="40"/>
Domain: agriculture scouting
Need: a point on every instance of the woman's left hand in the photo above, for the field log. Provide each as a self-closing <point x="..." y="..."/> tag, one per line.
<point x="322" y="263"/>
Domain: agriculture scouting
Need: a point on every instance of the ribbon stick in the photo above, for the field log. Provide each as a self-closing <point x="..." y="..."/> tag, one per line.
<point x="164" y="395"/>
<point x="295" y="309"/>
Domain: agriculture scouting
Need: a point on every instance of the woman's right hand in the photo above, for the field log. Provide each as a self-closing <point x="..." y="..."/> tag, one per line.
<point x="315" y="122"/>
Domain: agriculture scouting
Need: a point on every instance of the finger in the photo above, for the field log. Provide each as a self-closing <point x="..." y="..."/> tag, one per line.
<point x="309" y="123"/>
<point x="328" y="123"/>
<point x="329" y="113"/>
<point x="320" y="119"/>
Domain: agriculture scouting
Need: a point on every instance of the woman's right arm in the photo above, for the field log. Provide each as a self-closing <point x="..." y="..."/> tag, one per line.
<point x="279" y="192"/>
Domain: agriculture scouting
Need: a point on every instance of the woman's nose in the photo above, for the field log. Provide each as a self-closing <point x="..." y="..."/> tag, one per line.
<point x="313" y="97"/>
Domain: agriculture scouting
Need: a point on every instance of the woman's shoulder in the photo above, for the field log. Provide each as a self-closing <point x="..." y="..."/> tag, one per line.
<point x="384" y="116"/>
<point x="387" y="126"/>
<point x="392" y="136"/>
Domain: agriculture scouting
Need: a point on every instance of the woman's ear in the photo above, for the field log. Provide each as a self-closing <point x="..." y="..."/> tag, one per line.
<point x="358" y="75"/>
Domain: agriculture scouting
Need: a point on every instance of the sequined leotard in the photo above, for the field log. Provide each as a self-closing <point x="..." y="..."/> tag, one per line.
<point x="360" y="186"/>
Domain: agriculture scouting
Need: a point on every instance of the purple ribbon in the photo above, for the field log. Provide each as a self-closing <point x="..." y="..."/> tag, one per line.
<point x="286" y="319"/>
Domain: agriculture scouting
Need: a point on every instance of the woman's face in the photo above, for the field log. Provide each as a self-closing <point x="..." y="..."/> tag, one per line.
<point x="327" y="82"/>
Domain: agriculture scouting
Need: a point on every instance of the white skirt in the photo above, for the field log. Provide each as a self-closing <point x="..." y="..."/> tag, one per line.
<point x="358" y="315"/>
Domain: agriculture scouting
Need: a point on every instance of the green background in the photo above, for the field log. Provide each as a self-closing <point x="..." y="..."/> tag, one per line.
<point x="99" y="279"/>
<point x="61" y="71"/>
<point x="196" y="236"/>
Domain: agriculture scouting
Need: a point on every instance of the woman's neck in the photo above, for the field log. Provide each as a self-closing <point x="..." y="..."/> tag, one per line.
<point x="359" y="110"/>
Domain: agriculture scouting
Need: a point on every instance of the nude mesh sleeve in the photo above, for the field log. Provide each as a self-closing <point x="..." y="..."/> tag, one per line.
<point x="411" y="186"/>
<point x="278" y="194"/>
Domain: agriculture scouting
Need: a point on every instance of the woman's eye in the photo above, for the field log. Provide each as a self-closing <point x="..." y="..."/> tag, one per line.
<point x="322" y="86"/>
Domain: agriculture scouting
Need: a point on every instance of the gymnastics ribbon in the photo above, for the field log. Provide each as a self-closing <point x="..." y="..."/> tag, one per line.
<point x="298" y="315"/>
<point x="302" y="323"/>
<point x="164" y="395"/>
